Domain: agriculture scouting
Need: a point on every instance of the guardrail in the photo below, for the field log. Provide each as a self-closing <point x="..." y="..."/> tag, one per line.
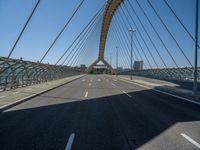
<point x="16" y="73"/>
<point x="179" y="74"/>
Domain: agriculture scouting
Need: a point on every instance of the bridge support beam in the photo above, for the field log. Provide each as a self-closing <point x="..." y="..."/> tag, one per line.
<point x="97" y="61"/>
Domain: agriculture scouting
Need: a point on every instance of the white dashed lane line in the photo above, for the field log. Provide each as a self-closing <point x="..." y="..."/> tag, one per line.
<point x="86" y="94"/>
<point x="113" y="84"/>
<point x="28" y="89"/>
<point x="190" y="140"/>
<point x="127" y="94"/>
<point x="15" y="92"/>
<point x="3" y="96"/>
<point x="70" y="141"/>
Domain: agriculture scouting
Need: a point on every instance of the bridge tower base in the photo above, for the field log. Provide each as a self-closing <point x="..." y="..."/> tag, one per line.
<point x="105" y="63"/>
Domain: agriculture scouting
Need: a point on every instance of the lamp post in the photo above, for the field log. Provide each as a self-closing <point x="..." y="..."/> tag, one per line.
<point x="110" y="59"/>
<point x="117" y="47"/>
<point x="196" y="50"/>
<point x="131" y="31"/>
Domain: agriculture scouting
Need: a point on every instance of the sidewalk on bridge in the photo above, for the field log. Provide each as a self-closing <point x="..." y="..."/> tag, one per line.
<point x="162" y="85"/>
<point x="13" y="97"/>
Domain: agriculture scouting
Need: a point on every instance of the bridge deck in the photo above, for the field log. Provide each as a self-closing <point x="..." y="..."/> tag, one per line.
<point x="12" y="96"/>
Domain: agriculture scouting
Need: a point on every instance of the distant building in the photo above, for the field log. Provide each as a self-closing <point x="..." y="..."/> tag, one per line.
<point x="83" y="67"/>
<point x="120" y="68"/>
<point x="138" y="65"/>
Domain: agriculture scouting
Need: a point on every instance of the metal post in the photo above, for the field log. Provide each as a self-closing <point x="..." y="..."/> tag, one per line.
<point x="110" y="59"/>
<point x="131" y="74"/>
<point x="117" y="61"/>
<point x="196" y="50"/>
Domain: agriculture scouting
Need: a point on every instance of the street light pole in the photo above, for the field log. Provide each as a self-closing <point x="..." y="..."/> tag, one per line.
<point x="110" y="59"/>
<point x="131" y="65"/>
<point x="117" y="60"/>
<point x="196" y="50"/>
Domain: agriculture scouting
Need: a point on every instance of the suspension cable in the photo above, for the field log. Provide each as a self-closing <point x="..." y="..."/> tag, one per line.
<point x="149" y="35"/>
<point x="22" y="31"/>
<point x="62" y="30"/>
<point x="178" y="45"/>
<point x="148" y="49"/>
<point x="125" y="38"/>
<point x="84" y="41"/>
<point x="92" y="20"/>
<point x="125" y="55"/>
<point x="86" y="32"/>
<point x="179" y="20"/>
<point x="158" y="37"/>
<point x="137" y="41"/>
<point x="118" y="28"/>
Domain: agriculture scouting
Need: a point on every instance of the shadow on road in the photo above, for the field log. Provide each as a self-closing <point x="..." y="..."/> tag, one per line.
<point x="114" y="122"/>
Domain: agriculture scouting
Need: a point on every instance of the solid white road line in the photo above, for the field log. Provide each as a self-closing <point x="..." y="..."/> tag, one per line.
<point x="176" y="96"/>
<point x="99" y="80"/>
<point x="83" y="80"/>
<point x="3" y="96"/>
<point x="86" y="94"/>
<point x="126" y="94"/>
<point x="70" y="141"/>
<point x="114" y="80"/>
<point x="191" y="140"/>
<point x="90" y="84"/>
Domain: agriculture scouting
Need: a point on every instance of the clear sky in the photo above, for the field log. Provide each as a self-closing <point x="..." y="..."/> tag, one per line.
<point x="185" y="10"/>
<point x="45" y="24"/>
<point x="51" y="15"/>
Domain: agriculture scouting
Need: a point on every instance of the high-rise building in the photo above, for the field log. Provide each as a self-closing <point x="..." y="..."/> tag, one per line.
<point x="138" y="65"/>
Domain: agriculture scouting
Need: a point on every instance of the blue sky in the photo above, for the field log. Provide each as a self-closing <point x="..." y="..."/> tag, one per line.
<point x="185" y="9"/>
<point x="45" y="24"/>
<point x="51" y="15"/>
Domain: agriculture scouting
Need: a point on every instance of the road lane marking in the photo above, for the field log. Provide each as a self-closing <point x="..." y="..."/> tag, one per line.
<point x="191" y="140"/>
<point x="126" y="94"/>
<point x="3" y="96"/>
<point x="90" y="84"/>
<point x="70" y="141"/>
<point x="15" y="92"/>
<point x="114" y="80"/>
<point x="176" y="96"/>
<point x="86" y="94"/>
<point x="113" y="84"/>
<point x="99" y="80"/>
<point x="28" y="89"/>
<point x="83" y="80"/>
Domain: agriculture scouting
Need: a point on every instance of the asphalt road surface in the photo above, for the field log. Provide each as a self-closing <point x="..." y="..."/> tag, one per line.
<point x="101" y="113"/>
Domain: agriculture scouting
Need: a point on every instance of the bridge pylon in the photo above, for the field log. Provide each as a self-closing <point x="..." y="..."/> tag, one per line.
<point x="110" y="8"/>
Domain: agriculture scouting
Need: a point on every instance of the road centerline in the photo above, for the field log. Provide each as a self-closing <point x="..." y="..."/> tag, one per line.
<point x="70" y="141"/>
<point x="190" y="140"/>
